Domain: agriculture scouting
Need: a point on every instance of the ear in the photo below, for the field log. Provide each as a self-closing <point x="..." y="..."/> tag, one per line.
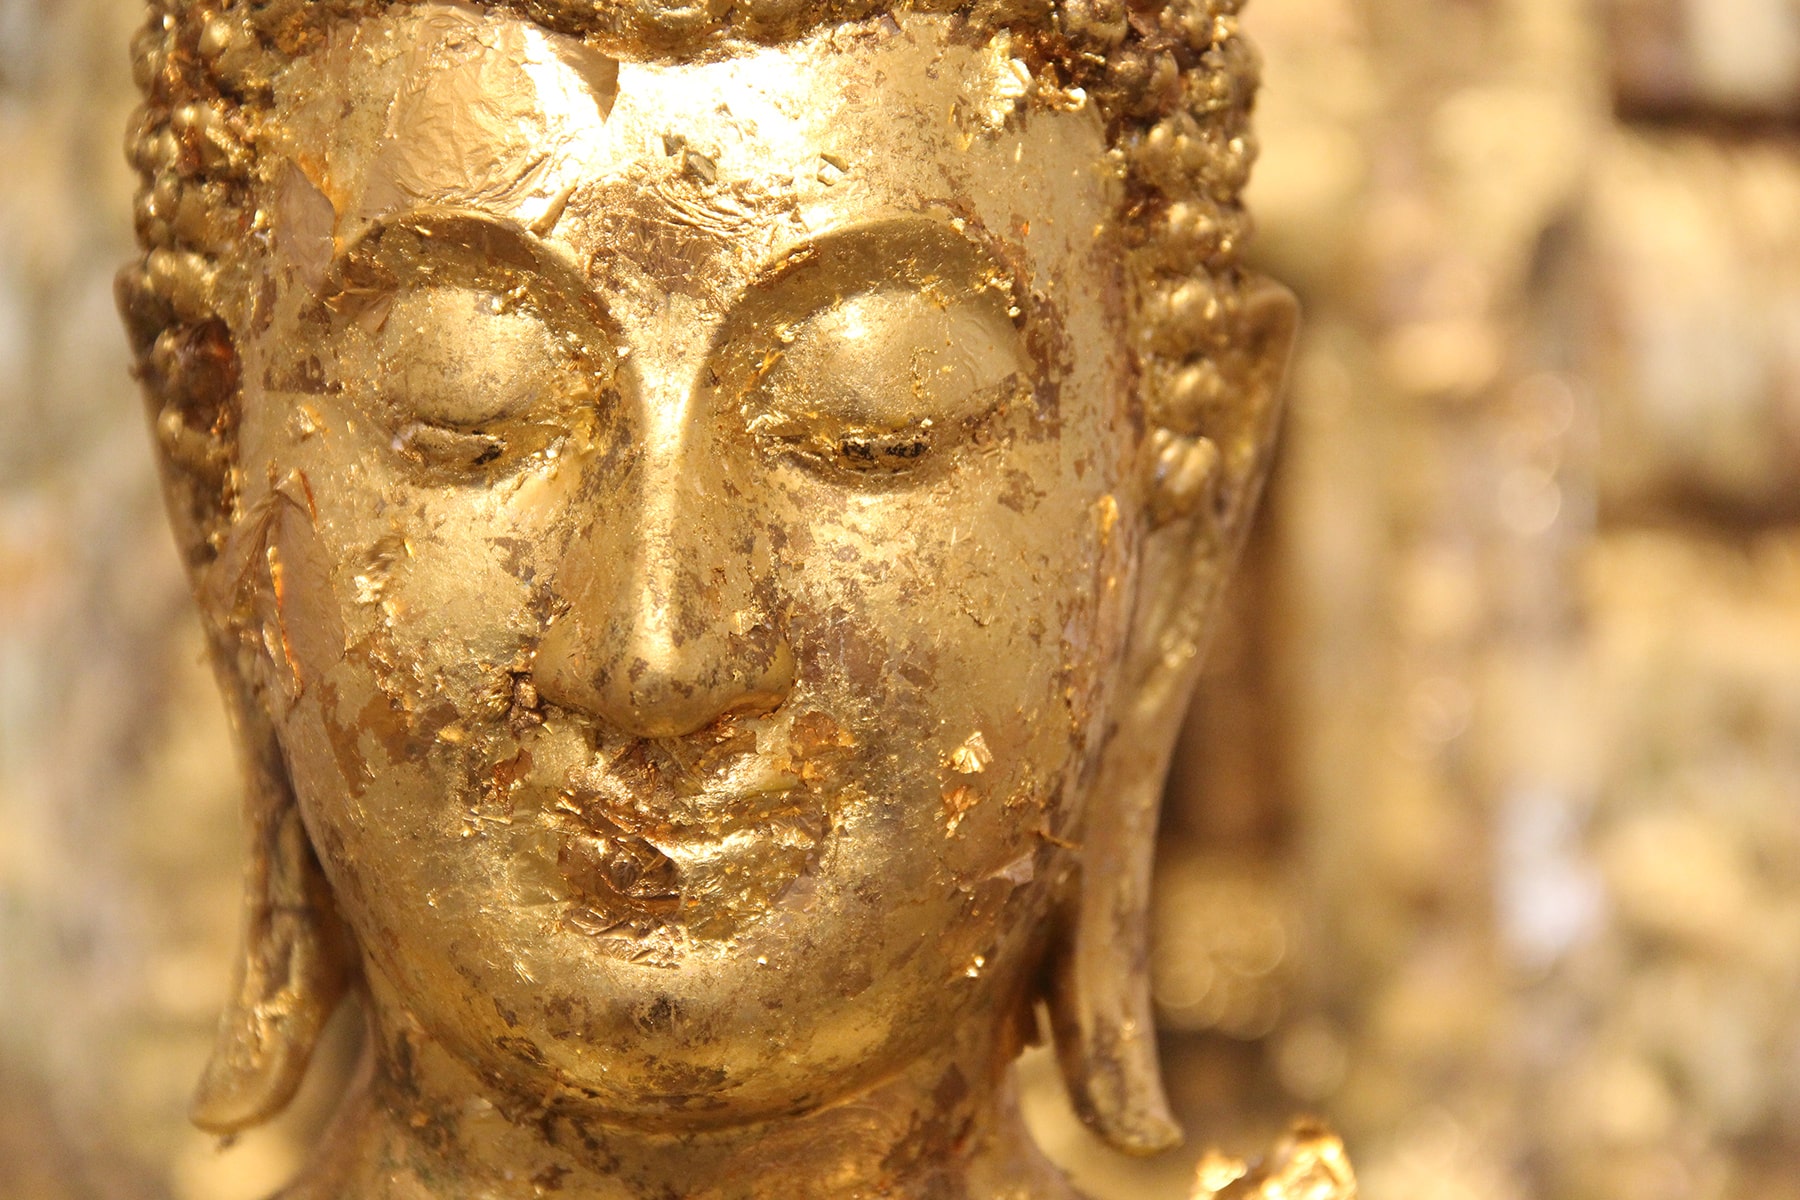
<point x="296" y="960"/>
<point x="1206" y="470"/>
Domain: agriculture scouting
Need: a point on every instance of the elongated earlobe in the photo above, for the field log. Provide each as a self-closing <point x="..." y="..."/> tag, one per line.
<point x="296" y="957"/>
<point x="1100" y="1008"/>
<point x="293" y="970"/>
<point x="1205" y="468"/>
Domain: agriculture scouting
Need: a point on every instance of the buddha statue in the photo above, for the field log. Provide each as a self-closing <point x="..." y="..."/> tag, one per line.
<point x="705" y="517"/>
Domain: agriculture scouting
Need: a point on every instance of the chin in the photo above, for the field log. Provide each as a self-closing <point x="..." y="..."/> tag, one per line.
<point x="664" y="1082"/>
<point x="713" y="1038"/>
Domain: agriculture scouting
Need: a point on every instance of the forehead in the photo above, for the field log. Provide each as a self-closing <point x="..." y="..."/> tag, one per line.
<point x="687" y="167"/>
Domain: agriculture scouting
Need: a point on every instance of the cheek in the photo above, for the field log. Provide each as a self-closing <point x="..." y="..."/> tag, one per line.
<point x="438" y="591"/>
<point x="972" y="627"/>
<point x="420" y="609"/>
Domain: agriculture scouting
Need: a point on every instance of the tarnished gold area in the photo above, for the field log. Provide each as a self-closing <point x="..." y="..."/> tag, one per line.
<point x="708" y="537"/>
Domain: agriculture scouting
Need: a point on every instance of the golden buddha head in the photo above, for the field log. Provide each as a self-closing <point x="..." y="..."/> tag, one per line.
<point x="706" y="517"/>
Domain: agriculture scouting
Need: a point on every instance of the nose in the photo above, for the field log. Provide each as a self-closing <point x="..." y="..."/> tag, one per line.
<point x="670" y="619"/>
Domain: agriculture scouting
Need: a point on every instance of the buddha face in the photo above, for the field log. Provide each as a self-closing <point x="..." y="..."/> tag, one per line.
<point x="699" y="504"/>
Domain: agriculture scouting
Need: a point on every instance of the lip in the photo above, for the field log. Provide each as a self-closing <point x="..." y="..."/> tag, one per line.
<point x="684" y="840"/>
<point x="702" y="864"/>
<point x="753" y="794"/>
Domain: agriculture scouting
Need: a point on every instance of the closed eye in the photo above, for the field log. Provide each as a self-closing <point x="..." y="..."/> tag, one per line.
<point x="887" y="383"/>
<point x="473" y="347"/>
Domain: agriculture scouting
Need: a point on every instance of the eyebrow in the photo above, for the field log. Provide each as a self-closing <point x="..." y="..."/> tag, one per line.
<point x="360" y="273"/>
<point x="942" y="244"/>
<point x="898" y="247"/>
<point x="500" y="239"/>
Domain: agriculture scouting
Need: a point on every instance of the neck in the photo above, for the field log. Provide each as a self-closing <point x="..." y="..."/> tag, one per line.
<point x="945" y="1128"/>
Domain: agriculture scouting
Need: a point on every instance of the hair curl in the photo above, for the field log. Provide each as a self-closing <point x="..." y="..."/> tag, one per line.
<point x="1174" y="81"/>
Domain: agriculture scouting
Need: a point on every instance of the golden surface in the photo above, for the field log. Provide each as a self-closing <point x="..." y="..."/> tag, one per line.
<point x="705" y="532"/>
<point x="1631" y="1036"/>
<point x="1308" y="1164"/>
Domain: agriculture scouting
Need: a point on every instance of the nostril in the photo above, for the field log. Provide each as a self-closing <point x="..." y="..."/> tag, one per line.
<point x="773" y="684"/>
<point x="656" y="687"/>
<point x="672" y="699"/>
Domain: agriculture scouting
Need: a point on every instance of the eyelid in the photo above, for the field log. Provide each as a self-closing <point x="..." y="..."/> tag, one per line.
<point x="465" y="383"/>
<point x="931" y="253"/>
<point x="882" y="343"/>
<point x="904" y="421"/>
<point x="433" y="378"/>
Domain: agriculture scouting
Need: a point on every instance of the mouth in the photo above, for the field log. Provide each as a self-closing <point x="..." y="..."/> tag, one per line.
<point x="660" y="843"/>
<point x="624" y="867"/>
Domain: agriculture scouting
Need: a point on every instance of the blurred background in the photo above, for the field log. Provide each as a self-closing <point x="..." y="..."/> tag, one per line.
<point x="1484" y="842"/>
